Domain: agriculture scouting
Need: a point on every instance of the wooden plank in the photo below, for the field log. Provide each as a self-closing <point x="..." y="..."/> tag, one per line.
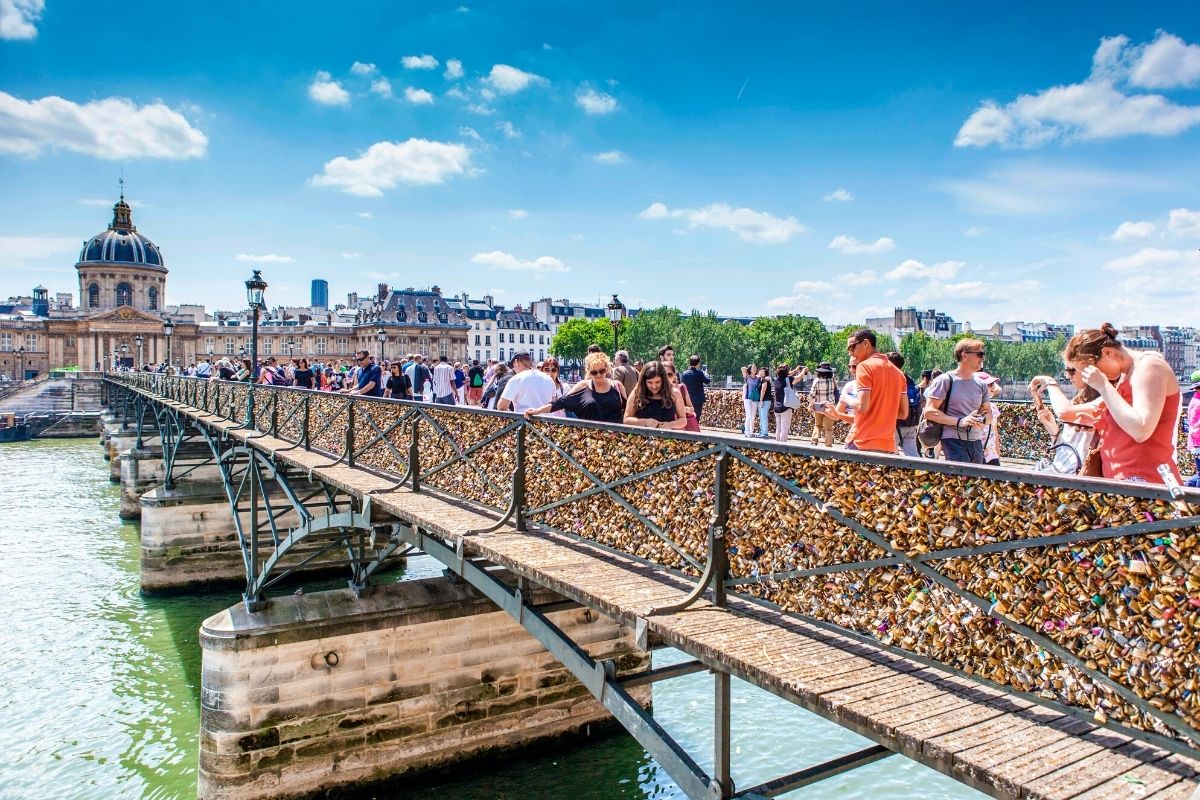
<point x="1142" y="780"/>
<point x="1092" y="771"/>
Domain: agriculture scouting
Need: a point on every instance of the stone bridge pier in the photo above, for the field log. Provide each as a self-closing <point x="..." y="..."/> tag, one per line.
<point x="319" y="691"/>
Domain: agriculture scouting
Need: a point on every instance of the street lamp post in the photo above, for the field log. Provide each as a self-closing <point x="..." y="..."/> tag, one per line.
<point x="168" y="330"/>
<point x="139" y="340"/>
<point x="255" y="288"/>
<point x="291" y="346"/>
<point x="21" y="363"/>
<point x="124" y="353"/>
<point x="615" y="313"/>
<point x="381" y="334"/>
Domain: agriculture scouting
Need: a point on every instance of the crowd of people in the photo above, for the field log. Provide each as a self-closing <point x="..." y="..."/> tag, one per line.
<point x="1119" y="421"/>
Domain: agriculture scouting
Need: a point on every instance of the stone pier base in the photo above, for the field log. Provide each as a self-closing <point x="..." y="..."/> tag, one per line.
<point x="188" y="538"/>
<point x="321" y="691"/>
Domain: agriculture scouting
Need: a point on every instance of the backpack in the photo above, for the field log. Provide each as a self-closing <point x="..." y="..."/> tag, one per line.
<point x="476" y="378"/>
<point x="915" y="402"/>
<point x="756" y="391"/>
<point x="279" y="377"/>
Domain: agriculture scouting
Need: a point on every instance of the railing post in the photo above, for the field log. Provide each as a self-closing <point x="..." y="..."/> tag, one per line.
<point x="518" y="488"/>
<point x="275" y="412"/>
<point x="350" y="432"/>
<point x="414" y="456"/>
<point x="304" y="424"/>
<point x="721" y="760"/>
<point x="720" y="553"/>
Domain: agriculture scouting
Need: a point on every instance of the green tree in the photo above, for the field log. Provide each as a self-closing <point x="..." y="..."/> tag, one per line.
<point x="790" y="339"/>
<point x="649" y="330"/>
<point x="575" y="336"/>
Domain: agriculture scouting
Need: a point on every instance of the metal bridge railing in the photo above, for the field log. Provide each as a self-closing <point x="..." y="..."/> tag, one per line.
<point x="1079" y="593"/>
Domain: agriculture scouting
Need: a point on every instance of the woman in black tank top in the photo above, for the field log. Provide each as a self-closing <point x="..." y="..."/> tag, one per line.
<point x="654" y="404"/>
<point x="599" y="399"/>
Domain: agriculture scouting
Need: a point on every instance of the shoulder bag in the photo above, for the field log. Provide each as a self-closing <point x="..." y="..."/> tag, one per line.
<point x="929" y="433"/>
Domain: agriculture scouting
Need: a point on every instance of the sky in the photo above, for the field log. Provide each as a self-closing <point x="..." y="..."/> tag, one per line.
<point x="1035" y="164"/>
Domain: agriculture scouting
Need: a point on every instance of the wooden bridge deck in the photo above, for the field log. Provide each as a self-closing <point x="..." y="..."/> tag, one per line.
<point x="1000" y="744"/>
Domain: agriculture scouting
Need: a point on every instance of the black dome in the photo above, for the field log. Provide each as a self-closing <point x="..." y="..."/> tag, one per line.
<point x="121" y="243"/>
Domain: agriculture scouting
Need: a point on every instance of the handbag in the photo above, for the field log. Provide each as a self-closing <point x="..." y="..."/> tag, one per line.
<point x="791" y="399"/>
<point x="929" y="433"/>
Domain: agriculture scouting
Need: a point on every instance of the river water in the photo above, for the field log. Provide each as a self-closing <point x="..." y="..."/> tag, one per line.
<point x="99" y="685"/>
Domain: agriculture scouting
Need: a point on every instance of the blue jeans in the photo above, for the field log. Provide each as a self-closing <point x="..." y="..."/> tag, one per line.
<point x="763" y="408"/>
<point x="965" y="452"/>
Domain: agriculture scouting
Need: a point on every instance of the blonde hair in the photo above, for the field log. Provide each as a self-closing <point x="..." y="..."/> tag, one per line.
<point x="966" y="344"/>
<point x="596" y="361"/>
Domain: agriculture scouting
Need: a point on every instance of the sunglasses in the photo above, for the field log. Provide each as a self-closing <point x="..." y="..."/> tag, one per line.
<point x="979" y="353"/>
<point x="597" y="371"/>
<point x="1069" y="371"/>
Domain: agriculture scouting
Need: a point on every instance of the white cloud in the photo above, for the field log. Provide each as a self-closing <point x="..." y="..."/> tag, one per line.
<point x="979" y="293"/>
<point x="17" y="250"/>
<point x="18" y="18"/>
<point x="1166" y="63"/>
<point x="352" y="255"/>
<point x="462" y="10"/>
<point x="482" y="109"/>
<point x="113" y="128"/>
<point x="805" y="293"/>
<point x="974" y="232"/>
<point x="1154" y="260"/>
<point x="838" y="195"/>
<point x="1184" y="222"/>
<point x="911" y="268"/>
<point x="1133" y="231"/>
<point x="384" y="165"/>
<point x="508" y="129"/>
<point x="1042" y="188"/>
<point x="328" y="92"/>
<point x="359" y="68"/>
<point x="497" y="259"/>
<point x="454" y="69"/>
<point x="750" y="226"/>
<point x="269" y="258"/>
<point x="867" y="277"/>
<point x="419" y="62"/>
<point x="382" y="87"/>
<point x="848" y="245"/>
<point x="593" y="102"/>
<point x="611" y="158"/>
<point x="510" y="80"/>
<point x="364" y="214"/>
<point x="518" y="213"/>
<point x="456" y="93"/>
<point x="1103" y="106"/>
<point x="418" y="97"/>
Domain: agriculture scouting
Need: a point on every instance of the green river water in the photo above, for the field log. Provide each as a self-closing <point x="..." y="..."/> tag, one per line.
<point x="99" y="685"/>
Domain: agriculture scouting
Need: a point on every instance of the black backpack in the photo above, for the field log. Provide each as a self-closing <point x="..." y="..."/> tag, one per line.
<point x="915" y="404"/>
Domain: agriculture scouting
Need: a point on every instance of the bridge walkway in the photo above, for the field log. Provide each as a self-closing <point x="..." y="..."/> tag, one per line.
<point x="998" y="743"/>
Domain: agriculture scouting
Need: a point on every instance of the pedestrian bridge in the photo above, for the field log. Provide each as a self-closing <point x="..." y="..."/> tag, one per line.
<point x="1029" y="635"/>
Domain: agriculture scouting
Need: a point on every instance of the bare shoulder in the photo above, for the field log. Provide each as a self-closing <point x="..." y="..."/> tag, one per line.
<point x="1155" y="368"/>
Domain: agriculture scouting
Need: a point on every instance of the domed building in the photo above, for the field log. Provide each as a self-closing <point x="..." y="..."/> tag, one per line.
<point x="121" y="267"/>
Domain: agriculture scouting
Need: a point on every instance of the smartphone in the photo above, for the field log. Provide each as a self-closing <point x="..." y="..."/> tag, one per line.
<point x="819" y="407"/>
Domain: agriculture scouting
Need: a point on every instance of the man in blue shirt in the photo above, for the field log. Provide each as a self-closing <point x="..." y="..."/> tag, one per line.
<point x="370" y="378"/>
<point x="695" y="379"/>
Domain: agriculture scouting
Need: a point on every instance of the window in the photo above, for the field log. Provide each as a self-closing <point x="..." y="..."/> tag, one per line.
<point x="320" y="345"/>
<point x="476" y="355"/>
<point x="124" y="294"/>
<point x="69" y="341"/>
<point x="487" y="340"/>
<point x="443" y="347"/>
<point x="230" y="349"/>
<point x="501" y="353"/>
<point x="266" y="347"/>
<point x="477" y="341"/>
<point x="93" y="300"/>
<point x="209" y="344"/>
<point x="541" y="339"/>
<point x="522" y="338"/>
<point x="31" y="344"/>
<point x="343" y="346"/>
<point x="152" y="298"/>
<point x="6" y="342"/>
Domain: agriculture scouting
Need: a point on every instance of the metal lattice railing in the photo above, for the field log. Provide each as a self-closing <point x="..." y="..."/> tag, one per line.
<point x="1081" y="593"/>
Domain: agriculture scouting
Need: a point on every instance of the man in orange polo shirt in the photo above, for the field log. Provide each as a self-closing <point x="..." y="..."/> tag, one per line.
<point x="882" y="396"/>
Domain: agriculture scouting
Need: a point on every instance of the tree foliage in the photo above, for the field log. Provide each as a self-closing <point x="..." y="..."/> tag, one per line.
<point x="789" y="339"/>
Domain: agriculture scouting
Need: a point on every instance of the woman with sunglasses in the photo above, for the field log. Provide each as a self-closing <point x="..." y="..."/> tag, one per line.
<point x="599" y="398"/>
<point x="1142" y="403"/>
<point x="654" y="404"/>
<point x="1075" y="437"/>
<point x="551" y="368"/>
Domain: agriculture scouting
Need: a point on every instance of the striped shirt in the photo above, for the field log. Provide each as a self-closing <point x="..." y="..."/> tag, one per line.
<point x="443" y="379"/>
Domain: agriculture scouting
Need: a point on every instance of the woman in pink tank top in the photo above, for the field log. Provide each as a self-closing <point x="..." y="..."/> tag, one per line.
<point x="1141" y="405"/>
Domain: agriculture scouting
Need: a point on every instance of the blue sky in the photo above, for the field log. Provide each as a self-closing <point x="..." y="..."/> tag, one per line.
<point x="818" y="159"/>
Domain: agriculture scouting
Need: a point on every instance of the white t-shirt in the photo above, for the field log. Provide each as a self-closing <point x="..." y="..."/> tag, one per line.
<point x="529" y="389"/>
